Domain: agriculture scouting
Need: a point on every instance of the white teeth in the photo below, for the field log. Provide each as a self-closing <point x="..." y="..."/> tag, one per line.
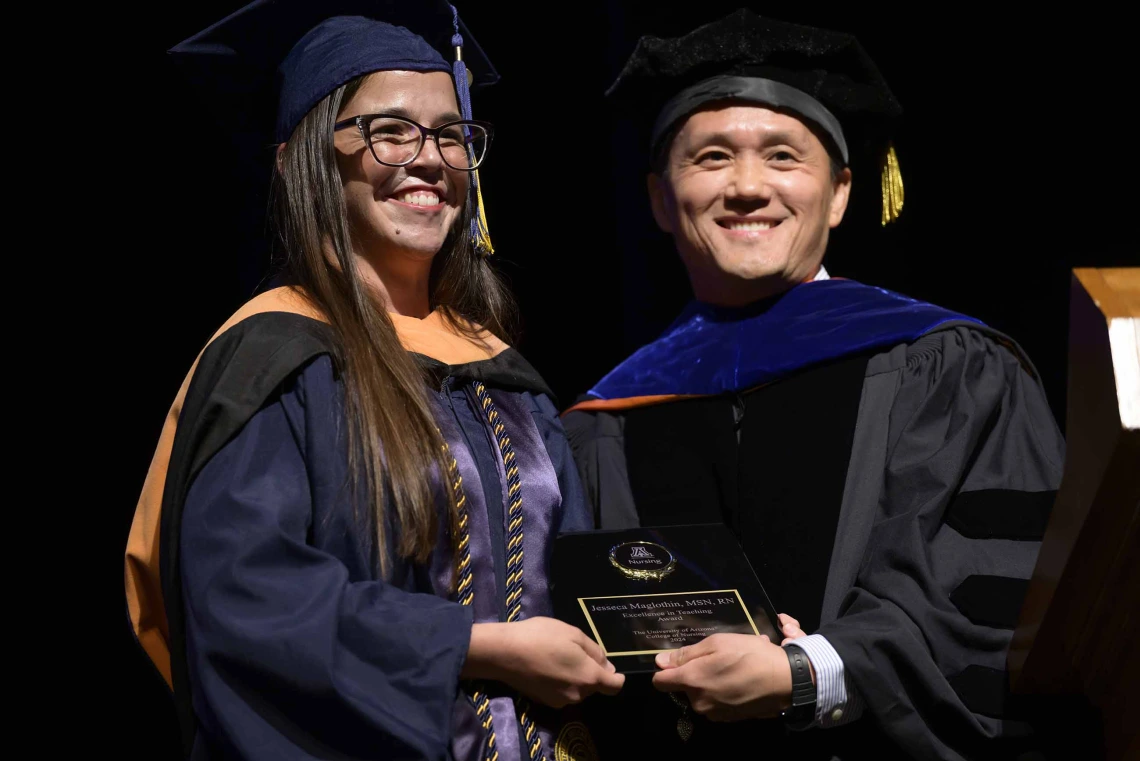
<point x="420" y="198"/>
<point x="750" y="226"/>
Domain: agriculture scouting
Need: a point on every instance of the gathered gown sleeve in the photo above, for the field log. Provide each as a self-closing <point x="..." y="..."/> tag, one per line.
<point x="577" y="514"/>
<point x="292" y="654"/>
<point x="597" y="441"/>
<point x="974" y="458"/>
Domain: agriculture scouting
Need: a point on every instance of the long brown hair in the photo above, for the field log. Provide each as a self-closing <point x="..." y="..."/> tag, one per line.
<point x="394" y="444"/>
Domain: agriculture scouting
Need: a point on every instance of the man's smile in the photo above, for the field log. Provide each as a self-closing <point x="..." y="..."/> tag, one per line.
<point x="747" y="227"/>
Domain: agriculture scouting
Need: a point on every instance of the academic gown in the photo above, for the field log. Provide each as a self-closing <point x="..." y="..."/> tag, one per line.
<point x="251" y="584"/>
<point x="888" y="468"/>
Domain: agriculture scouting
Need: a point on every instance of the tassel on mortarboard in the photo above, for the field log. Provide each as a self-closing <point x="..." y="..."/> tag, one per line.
<point x="479" y="233"/>
<point x="892" y="186"/>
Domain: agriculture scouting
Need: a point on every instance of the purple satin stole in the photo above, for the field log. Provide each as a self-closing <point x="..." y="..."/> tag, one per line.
<point x="542" y="508"/>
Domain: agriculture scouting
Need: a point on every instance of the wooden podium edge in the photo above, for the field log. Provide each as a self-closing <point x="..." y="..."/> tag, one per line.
<point x="1080" y="622"/>
<point x="1116" y="293"/>
<point x="1114" y="290"/>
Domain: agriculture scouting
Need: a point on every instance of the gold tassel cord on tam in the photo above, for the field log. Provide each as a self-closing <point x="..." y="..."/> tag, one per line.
<point x="482" y="237"/>
<point x="892" y="183"/>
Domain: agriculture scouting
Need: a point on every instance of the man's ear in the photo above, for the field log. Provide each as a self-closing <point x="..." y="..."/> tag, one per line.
<point x="840" y="193"/>
<point x="280" y="158"/>
<point x="658" y="187"/>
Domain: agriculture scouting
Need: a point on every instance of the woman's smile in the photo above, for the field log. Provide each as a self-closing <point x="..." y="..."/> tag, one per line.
<point x="421" y="198"/>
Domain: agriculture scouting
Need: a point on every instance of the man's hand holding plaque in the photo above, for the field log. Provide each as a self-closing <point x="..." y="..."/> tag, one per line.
<point x="728" y="677"/>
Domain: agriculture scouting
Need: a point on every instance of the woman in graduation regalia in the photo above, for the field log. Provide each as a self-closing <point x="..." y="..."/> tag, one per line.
<point x="341" y="546"/>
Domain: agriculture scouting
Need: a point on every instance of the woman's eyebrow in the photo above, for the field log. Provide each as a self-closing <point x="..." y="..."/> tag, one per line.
<point x="450" y="116"/>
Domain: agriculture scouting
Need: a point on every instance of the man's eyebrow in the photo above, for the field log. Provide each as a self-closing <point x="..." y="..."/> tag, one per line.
<point x="720" y="137"/>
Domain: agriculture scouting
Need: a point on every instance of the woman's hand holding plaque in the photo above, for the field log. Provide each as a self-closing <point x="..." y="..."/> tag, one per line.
<point x="547" y="660"/>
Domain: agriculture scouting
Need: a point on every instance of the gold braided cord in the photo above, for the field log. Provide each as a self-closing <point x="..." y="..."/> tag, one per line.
<point x="514" y="589"/>
<point x="892" y="187"/>
<point x="465" y="591"/>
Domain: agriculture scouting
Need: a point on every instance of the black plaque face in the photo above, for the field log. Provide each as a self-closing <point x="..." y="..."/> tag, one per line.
<point x="650" y="624"/>
<point x="640" y="591"/>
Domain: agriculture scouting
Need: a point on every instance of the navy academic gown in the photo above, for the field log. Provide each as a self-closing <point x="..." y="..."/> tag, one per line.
<point x="286" y="642"/>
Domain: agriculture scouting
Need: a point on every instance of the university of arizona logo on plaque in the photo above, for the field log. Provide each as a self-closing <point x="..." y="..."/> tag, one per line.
<point x="642" y="560"/>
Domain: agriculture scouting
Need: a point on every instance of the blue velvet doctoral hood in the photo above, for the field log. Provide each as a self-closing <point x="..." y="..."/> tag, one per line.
<point x="712" y="350"/>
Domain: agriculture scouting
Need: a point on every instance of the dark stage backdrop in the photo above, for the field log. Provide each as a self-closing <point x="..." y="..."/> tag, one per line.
<point x="1009" y="176"/>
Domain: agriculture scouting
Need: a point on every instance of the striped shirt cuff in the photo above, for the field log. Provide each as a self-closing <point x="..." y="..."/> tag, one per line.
<point x="837" y="701"/>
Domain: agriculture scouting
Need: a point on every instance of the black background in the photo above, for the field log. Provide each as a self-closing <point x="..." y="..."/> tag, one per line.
<point x="1018" y="165"/>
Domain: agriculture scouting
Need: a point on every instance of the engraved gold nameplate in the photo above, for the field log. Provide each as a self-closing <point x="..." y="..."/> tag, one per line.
<point x="642" y="560"/>
<point x="650" y="624"/>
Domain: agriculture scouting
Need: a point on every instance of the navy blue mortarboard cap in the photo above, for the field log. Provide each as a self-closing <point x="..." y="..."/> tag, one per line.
<point x="266" y="65"/>
<point x="338" y="50"/>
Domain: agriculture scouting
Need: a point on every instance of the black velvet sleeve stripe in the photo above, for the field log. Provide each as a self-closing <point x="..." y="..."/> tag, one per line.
<point x="991" y="600"/>
<point x="1001" y="514"/>
<point x="983" y="690"/>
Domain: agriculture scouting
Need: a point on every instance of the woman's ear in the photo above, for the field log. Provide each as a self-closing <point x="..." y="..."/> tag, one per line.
<point x="280" y="159"/>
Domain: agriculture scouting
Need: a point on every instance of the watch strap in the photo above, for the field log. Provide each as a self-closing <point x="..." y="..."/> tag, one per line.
<point x="802" y="711"/>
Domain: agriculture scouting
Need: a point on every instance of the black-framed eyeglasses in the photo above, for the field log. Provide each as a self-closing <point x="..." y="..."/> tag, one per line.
<point x="397" y="141"/>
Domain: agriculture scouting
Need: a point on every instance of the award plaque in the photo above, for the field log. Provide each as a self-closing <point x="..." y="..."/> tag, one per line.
<point x="640" y="591"/>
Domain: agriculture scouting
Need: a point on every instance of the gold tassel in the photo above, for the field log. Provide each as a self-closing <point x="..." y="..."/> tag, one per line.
<point x="482" y="241"/>
<point x="892" y="187"/>
<point x="482" y="237"/>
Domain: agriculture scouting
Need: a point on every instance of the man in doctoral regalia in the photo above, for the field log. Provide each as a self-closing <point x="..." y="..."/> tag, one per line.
<point x="887" y="465"/>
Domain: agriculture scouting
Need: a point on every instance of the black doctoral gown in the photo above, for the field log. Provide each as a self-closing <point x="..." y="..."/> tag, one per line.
<point x="887" y="469"/>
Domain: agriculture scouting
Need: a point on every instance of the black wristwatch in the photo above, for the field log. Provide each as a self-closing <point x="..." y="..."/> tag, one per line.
<point x="802" y="711"/>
